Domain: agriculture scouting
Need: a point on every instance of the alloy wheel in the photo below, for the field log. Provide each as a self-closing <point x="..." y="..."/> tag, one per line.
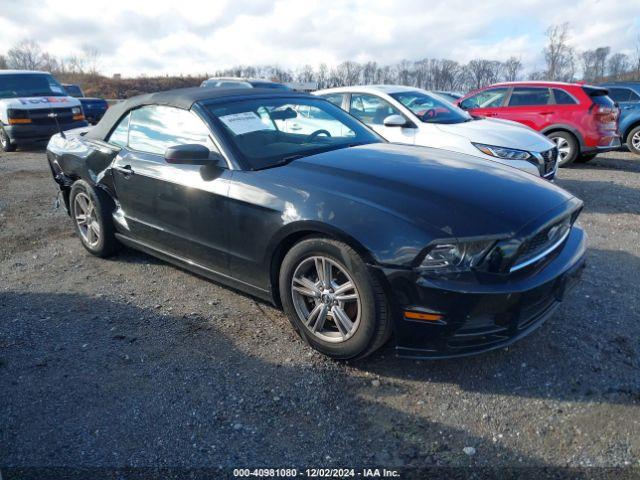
<point x="326" y="299"/>
<point x="564" y="148"/>
<point x="4" y="139"/>
<point x="635" y="141"/>
<point x="85" y="216"/>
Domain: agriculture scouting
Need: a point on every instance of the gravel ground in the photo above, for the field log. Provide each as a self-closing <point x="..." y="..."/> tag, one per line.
<point x="133" y="362"/>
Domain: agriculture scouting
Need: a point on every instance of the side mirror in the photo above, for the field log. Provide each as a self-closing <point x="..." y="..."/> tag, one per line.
<point x="395" y="121"/>
<point x="190" y="154"/>
<point x="465" y="104"/>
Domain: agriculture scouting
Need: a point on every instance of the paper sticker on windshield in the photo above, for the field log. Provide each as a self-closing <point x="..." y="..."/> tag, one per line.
<point x="56" y="89"/>
<point x="245" y="122"/>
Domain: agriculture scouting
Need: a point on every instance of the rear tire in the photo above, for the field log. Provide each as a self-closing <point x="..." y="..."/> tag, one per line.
<point x="633" y="140"/>
<point x="586" y="157"/>
<point x="568" y="148"/>
<point x="91" y="210"/>
<point x="5" y="142"/>
<point x="317" y="308"/>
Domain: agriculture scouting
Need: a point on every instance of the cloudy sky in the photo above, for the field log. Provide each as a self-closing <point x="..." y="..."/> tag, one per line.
<point x="185" y="36"/>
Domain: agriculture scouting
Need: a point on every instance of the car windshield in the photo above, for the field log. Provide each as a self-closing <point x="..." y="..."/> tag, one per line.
<point x="430" y="109"/>
<point x="74" y="90"/>
<point x="14" y="85"/>
<point x="267" y="132"/>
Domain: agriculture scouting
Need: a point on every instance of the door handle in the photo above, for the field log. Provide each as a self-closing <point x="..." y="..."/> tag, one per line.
<point x="126" y="170"/>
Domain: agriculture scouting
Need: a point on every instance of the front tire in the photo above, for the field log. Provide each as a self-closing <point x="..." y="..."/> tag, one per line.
<point x="5" y="142"/>
<point x="332" y="299"/>
<point x="91" y="210"/>
<point x="568" y="148"/>
<point x="633" y="140"/>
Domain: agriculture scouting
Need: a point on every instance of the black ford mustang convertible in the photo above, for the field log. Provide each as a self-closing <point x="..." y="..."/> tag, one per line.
<point x="288" y="198"/>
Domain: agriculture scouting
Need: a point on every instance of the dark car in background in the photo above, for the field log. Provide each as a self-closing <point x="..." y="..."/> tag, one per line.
<point x="580" y="119"/>
<point x="239" y="82"/>
<point x="355" y="237"/>
<point x="627" y="96"/>
<point x="93" y="108"/>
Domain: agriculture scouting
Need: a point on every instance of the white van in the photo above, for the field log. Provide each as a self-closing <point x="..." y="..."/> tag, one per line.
<point x="33" y="106"/>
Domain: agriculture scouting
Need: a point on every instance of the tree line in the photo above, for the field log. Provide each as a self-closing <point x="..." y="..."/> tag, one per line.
<point x="562" y="62"/>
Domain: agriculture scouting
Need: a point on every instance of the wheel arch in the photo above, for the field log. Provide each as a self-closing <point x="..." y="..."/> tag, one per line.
<point x="561" y="127"/>
<point x="628" y="129"/>
<point x="296" y="232"/>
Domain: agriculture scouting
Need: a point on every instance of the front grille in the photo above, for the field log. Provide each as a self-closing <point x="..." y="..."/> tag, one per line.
<point x="541" y="241"/>
<point x="549" y="158"/>
<point x="41" y="117"/>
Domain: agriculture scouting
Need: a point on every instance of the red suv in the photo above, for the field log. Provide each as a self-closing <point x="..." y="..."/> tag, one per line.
<point x="580" y="119"/>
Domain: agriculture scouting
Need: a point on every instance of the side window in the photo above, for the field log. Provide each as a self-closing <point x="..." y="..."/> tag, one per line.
<point x="155" y="128"/>
<point x="491" y="98"/>
<point x="633" y="96"/>
<point x="371" y="109"/>
<point x="120" y="135"/>
<point x="524" y="96"/>
<point x="620" y="94"/>
<point x="335" y="98"/>
<point x="563" y="98"/>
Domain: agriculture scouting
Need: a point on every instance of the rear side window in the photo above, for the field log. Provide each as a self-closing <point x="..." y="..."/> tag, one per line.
<point x="563" y="98"/>
<point x="619" y="94"/>
<point x="120" y="135"/>
<point x="524" y="96"/>
<point x="335" y="98"/>
<point x="599" y="96"/>
<point x="623" y="95"/>
<point x="155" y="128"/>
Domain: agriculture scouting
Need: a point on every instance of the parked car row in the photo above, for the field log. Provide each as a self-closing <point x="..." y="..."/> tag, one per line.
<point x="292" y="199"/>
<point x="417" y="117"/>
<point x="582" y="120"/>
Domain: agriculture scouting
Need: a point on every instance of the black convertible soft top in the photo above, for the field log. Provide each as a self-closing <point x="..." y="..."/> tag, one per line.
<point x="180" y="98"/>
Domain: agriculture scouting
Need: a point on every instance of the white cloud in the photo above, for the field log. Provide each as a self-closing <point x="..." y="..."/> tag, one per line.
<point x="165" y="36"/>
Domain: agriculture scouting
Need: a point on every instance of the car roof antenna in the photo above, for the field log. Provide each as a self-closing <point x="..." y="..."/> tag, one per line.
<point x="55" y="118"/>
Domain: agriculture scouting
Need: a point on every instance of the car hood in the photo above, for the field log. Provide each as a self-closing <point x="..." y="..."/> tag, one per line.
<point x="459" y="195"/>
<point x="40" y="103"/>
<point x="501" y="133"/>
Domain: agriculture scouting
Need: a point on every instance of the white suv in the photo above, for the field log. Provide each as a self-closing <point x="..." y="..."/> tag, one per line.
<point x="415" y="116"/>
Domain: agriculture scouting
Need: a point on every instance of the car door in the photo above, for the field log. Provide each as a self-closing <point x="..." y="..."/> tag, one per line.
<point x="372" y="110"/>
<point x="179" y="209"/>
<point x="531" y="106"/>
<point x="486" y="103"/>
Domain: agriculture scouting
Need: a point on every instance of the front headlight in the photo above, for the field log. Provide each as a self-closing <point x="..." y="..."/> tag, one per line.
<point x="76" y="111"/>
<point x="452" y="257"/>
<point x="502" y="152"/>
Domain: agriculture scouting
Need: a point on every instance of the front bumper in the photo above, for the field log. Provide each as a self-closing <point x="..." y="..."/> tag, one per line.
<point x="485" y="316"/>
<point x="25" y="134"/>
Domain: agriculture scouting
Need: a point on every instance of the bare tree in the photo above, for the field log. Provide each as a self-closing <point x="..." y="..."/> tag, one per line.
<point x="305" y="74"/>
<point x="482" y="72"/>
<point x="321" y="75"/>
<point x="348" y="73"/>
<point x="369" y="72"/>
<point x="588" y="58"/>
<point x="618" y="65"/>
<point x="511" y="69"/>
<point x="3" y="62"/>
<point x="560" y="57"/>
<point x="26" y="55"/>
<point x="600" y="64"/>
